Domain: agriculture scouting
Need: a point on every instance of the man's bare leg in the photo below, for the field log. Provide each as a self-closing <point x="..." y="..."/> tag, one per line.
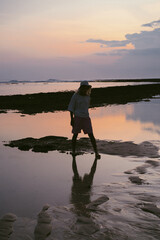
<point x="74" y="139"/>
<point x="93" y="141"/>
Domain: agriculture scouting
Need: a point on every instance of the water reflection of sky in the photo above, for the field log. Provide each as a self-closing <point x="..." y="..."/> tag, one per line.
<point x="25" y="88"/>
<point x="132" y="122"/>
<point x="146" y="112"/>
<point x="29" y="180"/>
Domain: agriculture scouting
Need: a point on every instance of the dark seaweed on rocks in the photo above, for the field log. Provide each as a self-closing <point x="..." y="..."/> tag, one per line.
<point x="63" y="144"/>
<point x="50" y="102"/>
<point x="44" y="144"/>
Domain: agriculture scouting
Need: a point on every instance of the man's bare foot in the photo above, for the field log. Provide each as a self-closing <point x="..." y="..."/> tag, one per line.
<point x="98" y="156"/>
<point x="73" y="154"/>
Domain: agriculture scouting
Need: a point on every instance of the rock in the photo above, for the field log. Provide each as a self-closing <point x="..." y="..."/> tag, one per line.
<point x="6" y="225"/>
<point x="43" y="228"/>
<point x="45" y="207"/>
<point x="151" y="208"/>
<point x="147" y="197"/>
<point x="128" y="172"/>
<point x="141" y="169"/>
<point x="63" y="144"/>
<point x="136" y="180"/>
<point x="117" y="209"/>
<point x="44" y="217"/>
<point x="93" y="205"/>
<point x="10" y="217"/>
<point x="3" y="111"/>
<point x="153" y="163"/>
<point x="85" y="226"/>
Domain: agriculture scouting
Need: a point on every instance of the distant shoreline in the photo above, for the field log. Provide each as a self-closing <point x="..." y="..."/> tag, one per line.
<point x="58" y="101"/>
<point x="156" y="80"/>
<point x="130" y="80"/>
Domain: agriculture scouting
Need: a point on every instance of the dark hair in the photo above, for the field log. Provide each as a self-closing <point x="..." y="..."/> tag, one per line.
<point x="83" y="89"/>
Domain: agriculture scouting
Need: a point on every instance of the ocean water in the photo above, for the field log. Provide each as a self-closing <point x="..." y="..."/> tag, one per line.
<point x="28" y="88"/>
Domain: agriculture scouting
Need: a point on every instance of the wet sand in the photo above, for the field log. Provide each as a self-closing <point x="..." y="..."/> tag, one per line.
<point x="50" y="102"/>
<point x="124" y="210"/>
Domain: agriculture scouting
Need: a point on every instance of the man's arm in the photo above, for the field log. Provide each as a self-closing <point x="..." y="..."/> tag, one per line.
<point x="72" y="118"/>
<point x="71" y="108"/>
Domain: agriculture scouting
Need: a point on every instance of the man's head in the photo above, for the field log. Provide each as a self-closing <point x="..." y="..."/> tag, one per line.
<point x="85" y="83"/>
<point x="84" y="89"/>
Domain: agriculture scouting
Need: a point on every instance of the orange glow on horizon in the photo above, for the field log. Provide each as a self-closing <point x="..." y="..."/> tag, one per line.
<point x="55" y="39"/>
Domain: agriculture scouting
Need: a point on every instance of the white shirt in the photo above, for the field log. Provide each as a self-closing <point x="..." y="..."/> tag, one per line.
<point x="79" y="105"/>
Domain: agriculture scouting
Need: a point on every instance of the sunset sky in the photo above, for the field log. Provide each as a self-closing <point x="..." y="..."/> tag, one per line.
<point x="76" y="40"/>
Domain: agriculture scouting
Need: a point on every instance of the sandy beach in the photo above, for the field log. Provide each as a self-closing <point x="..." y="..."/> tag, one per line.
<point x="48" y="194"/>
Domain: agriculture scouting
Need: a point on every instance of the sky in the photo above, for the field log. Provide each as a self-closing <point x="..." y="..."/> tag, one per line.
<point x="77" y="40"/>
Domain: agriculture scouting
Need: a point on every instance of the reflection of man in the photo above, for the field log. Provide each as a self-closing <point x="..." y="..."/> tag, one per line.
<point x="81" y="188"/>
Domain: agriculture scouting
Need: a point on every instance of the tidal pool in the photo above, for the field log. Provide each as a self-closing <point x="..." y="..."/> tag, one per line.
<point x="28" y="180"/>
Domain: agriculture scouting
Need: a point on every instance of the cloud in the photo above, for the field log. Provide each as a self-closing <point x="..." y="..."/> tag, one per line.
<point x="145" y="39"/>
<point x="113" y="43"/>
<point x="142" y="40"/>
<point x="153" y="24"/>
<point x="132" y="52"/>
<point x="140" y="62"/>
<point x="117" y="52"/>
<point x="146" y="52"/>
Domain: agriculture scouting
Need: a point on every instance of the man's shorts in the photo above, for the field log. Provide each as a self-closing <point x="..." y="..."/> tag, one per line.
<point x="81" y="123"/>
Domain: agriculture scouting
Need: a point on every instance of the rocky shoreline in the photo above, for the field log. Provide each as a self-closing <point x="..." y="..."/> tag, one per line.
<point x="50" y="102"/>
<point x="63" y="144"/>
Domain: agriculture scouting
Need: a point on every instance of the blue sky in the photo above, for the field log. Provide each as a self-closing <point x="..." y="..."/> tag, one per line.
<point x="85" y="39"/>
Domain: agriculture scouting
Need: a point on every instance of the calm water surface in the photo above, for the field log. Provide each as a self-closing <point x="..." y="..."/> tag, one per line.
<point x="28" y="180"/>
<point x="26" y="88"/>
